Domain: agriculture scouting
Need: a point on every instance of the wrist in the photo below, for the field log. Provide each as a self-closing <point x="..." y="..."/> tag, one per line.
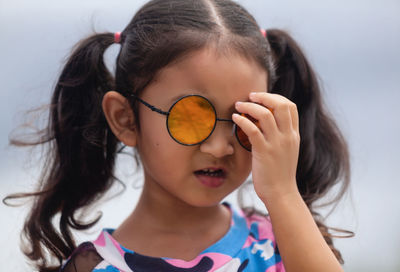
<point x="278" y="196"/>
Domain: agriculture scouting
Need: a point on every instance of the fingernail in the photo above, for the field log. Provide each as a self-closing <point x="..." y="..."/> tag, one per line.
<point x="238" y="103"/>
<point x="252" y="94"/>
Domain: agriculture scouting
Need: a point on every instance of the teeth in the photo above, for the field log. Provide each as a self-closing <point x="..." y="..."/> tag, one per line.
<point x="210" y="170"/>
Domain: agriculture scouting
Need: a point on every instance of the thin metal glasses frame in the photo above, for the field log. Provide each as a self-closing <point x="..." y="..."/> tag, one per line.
<point x="166" y="113"/>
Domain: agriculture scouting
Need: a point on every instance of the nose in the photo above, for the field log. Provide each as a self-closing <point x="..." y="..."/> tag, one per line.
<point x="220" y="142"/>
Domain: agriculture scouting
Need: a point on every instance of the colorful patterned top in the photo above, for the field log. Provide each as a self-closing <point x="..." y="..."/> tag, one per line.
<point x="248" y="246"/>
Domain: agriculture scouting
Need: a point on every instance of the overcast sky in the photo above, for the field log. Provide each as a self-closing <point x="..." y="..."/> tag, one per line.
<point x="353" y="46"/>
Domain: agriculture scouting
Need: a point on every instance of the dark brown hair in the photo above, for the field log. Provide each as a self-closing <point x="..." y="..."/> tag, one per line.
<point x="82" y="149"/>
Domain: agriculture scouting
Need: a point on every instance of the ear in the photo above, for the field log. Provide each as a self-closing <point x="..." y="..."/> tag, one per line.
<point x="120" y="117"/>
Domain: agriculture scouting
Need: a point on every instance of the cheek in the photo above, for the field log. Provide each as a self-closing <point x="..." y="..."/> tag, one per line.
<point x="243" y="164"/>
<point x="155" y="145"/>
<point x="152" y="132"/>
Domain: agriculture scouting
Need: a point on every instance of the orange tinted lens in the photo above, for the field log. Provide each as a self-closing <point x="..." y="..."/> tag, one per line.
<point x="191" y="120"/>
<point x="242" y="137"/>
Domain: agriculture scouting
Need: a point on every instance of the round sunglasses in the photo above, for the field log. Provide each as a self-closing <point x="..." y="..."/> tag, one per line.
<point x="192" y="119"/>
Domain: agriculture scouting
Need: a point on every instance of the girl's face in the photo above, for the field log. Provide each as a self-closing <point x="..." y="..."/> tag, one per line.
<point x="174" y="172"/>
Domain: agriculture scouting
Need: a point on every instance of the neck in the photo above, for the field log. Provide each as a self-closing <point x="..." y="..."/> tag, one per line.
<point x="171" y="224"/>
<point x="169" y="214"/>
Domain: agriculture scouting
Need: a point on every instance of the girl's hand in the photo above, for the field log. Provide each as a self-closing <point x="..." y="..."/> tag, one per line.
<point x="275" y="145"/>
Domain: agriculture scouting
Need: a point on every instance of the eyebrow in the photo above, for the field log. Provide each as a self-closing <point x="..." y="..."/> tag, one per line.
<point x="189" y="92"/>
<point x="175" y="98"/>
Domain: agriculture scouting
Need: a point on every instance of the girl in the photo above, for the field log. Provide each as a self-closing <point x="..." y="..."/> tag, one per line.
<point x="204" y="98"/>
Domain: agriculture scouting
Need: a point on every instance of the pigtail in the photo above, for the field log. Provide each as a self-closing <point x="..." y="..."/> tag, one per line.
<point x="80" y="158"/>
<point x="324" y="156"/>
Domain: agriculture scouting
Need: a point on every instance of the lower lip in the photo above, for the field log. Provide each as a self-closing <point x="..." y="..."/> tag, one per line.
<point x="212" y="182"/>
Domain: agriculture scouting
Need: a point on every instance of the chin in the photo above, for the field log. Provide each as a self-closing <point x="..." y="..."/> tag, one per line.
<point x="204" y="202"/>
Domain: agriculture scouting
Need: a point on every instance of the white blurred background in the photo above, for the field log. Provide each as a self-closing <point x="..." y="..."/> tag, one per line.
<point x="353" y="45"/>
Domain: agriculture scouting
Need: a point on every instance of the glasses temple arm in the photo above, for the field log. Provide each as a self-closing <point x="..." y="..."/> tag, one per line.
<point x="150" y="106"/>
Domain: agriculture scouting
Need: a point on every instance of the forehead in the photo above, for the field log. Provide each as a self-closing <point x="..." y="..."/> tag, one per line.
<point x="222" y="78"/>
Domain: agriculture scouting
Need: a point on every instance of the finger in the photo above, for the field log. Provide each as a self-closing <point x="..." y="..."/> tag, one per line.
<point x="264" y="116"/>
<point x="280" y="106"/>
<point x="295" y="117"/>
<point x="254" y="134"/>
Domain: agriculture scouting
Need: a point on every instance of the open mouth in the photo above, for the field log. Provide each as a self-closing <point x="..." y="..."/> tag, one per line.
<point x="211" y="172"/>
<point x="211" y="177"/>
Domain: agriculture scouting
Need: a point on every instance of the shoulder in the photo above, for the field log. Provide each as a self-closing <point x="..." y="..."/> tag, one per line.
<point x="83" y="259"/>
